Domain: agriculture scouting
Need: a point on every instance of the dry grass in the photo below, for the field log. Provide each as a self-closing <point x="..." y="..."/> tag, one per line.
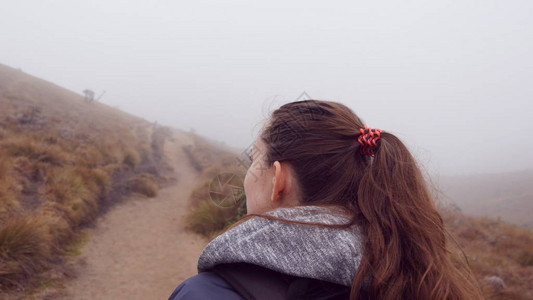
<point x="144" y="184"/>
<point x="132" y="159"/>
<point x="35" y="151"/>
<point x="207" y="217"/>
<point x="61" y="161"/>
<point x="200" y="192"/>
<point x="24" y="250"/>
<point x="495" y="248"/>
<point x="9" y="188"/>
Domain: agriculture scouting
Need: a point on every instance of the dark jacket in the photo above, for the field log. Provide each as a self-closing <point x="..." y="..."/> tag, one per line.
<point x="205" y="286"/>
<point x="247" y="281"/>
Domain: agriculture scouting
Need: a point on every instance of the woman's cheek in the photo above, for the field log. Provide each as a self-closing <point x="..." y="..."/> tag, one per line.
<point x="246" y="182"/>
<point x="250" y="207"/>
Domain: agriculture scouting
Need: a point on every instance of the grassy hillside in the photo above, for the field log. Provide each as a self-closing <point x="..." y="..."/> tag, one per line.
<point x="62" y="162"/>
<point x="508" y="196"/>
<point x="495" y="248"/>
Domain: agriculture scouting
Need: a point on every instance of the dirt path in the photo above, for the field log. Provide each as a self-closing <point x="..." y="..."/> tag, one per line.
<point x="139" y="249"/>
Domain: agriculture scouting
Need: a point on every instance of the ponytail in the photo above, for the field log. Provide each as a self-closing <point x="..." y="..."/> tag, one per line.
<point x="405" y="249"/>
<point x="339" y="162"/>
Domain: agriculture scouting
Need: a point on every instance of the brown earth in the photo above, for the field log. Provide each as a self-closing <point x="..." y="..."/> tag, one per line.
<point x="139" y="249"/>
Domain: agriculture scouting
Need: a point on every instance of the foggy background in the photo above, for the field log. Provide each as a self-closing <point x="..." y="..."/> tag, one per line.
<point x="451" y="78"/>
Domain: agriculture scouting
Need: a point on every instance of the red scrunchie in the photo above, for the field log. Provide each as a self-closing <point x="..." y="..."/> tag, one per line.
<point x="368" y="140"/>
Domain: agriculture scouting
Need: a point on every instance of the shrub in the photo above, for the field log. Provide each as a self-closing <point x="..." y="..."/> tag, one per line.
<point x="59" y="228"/>
<point x="111" y="151"/>
<point x="210" y="220"/>
<point x="24" y="249"/>
<point x="91" y="156"/>
<point x="206" y="219"/>
<point x="35" y="151"/>
<point x="102" y="179"/>
<point x="200" y="192"/>
<point x="9" y="188"/>
<point x="144" y="184"/>
<point x="8" y="198"/>
<point x="114" y="169"/>
<point x="525" y="259"/>
<point x="73" y="247"/>
<point x="97" y="181"/>
<point x="145" y="151"/>
<point x="132" y="159"/>
<point x="68" y="188"/>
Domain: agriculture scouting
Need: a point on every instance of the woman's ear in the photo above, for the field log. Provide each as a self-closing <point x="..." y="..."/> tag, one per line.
<point x="278" y="182"/>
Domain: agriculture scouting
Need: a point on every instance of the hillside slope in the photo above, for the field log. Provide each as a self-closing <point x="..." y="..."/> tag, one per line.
<point x="62" y="162"/>
<point x="494" y="249"/>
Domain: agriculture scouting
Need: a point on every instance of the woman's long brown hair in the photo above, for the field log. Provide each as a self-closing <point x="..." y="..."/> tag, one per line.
<point x="405" y="254"/>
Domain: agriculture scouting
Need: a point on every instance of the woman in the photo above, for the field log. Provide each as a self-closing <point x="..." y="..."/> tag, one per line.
<point x="336" y="210"/>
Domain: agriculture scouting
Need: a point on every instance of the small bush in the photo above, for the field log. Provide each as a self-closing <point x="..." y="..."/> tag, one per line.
<point x="59" y="227"/>
<point x="97" y="181"/>
<point x="9" y="188"/>
<point x="206" y="219"/>
<point x="111" y="151"/>
<point x="145" y="151"/>
<point x="114" y="169"/>
<point x="63" y="186"/>
<point x="35" y="151"/>
<point x="209" y="219"/>
<point x="91" y="156"/>
<point x="144" y="184"/>
<point x="68" y="188"/>
<point x="200" y="192"/>
<point x="525" y="259"/>
<point x="102" y="179"/>
<point x="132" y="159"/>
<point x="73" y="247"/>
<point x="8" y="198"/>
<point x="24" y="249"/>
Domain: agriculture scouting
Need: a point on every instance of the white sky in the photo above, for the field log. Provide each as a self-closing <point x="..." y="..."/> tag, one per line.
<point x="452" y="78"/>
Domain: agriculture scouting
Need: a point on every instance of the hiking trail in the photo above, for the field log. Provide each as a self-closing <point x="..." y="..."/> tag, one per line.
<point x="139" y="249"/>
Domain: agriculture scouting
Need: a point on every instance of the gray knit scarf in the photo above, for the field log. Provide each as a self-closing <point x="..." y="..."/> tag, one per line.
<point x="302" y="250"/>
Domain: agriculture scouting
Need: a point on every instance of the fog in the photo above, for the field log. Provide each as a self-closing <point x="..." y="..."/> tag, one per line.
<point x="450" y="78"/>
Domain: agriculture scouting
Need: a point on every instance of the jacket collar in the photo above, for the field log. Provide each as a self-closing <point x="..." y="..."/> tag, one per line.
<point x="301" y="250"/>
